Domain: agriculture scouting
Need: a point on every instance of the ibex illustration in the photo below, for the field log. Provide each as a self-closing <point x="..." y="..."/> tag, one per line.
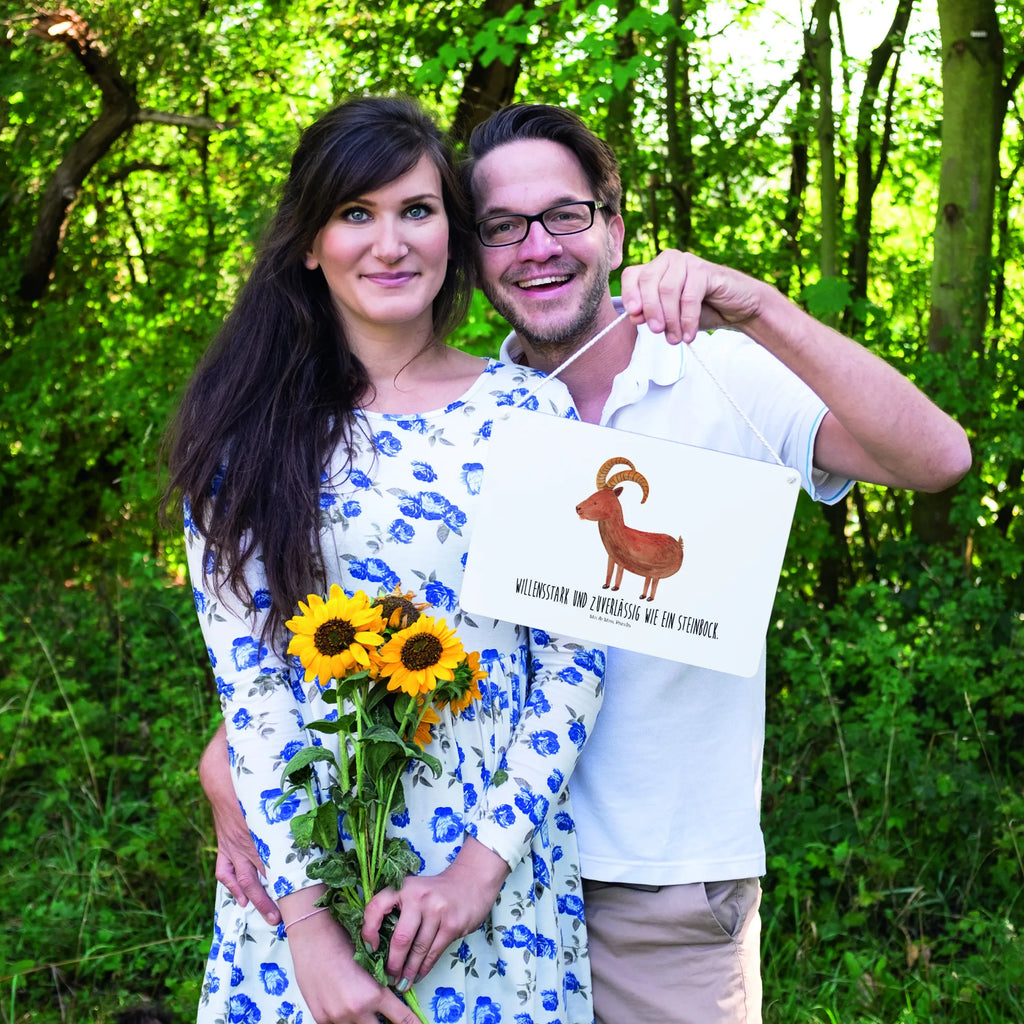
<point x="654" y="556"/>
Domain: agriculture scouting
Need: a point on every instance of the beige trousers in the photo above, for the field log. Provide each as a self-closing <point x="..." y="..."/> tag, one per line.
<point x="675" y="954"/>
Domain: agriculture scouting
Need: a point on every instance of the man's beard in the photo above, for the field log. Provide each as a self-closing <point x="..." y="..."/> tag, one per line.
<point x="565" y="337"/>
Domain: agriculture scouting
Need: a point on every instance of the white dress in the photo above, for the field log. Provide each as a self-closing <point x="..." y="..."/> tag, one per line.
<point x="403" y="516"/>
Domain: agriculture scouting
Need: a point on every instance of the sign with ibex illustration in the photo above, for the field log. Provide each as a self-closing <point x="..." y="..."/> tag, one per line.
<point x="650" y="555"/>
<point x="629" y="541"/>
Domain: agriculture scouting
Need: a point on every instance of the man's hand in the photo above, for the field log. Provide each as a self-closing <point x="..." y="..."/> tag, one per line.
<point x="880" y="428"/>
<point x="238" y="865"/>
<point x="435" y="910"/>
<point x="679" y="293"/>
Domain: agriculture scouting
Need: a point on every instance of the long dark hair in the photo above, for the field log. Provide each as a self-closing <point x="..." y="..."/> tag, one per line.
<point x="276" y="392"/>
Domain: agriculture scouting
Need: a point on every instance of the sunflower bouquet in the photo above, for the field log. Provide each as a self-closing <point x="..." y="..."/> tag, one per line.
<point x="390" y="669"/>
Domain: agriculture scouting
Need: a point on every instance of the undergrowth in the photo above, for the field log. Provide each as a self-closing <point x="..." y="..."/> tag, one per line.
<point x="893" y="803"/>
<point x="106" y="878"/>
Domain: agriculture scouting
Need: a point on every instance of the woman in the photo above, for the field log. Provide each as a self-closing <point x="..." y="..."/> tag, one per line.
<point x="330" y="436"/>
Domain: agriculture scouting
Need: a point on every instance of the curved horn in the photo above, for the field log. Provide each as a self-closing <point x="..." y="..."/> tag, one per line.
<point x="602" y="473"/>
<point x="626" y="475"/>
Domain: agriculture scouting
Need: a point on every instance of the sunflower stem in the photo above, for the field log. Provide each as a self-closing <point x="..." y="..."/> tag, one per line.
<point x="360" y="832"/>
<point x="343" y="763"/>
<point x="310" y="794"/>
<point x="381" y="823"/>
<point x="413" y="715"/>
<point x="414" y="1004"/>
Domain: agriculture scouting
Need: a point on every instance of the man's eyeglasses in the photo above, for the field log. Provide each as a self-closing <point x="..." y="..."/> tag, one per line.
<point x="564" y="219"/>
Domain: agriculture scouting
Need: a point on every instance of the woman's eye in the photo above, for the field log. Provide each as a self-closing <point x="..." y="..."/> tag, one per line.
<point x="354" y="215"/>
<point x="419" y="211"/>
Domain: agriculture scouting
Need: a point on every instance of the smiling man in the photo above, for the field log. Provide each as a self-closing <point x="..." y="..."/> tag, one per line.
<point x="667" y="792"/>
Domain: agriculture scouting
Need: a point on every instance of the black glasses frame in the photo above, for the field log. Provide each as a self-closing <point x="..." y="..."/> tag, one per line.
<point x="529" y="218"/>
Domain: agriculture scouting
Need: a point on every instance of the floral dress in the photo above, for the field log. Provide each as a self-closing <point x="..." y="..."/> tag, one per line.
<point x="402" y="516"/>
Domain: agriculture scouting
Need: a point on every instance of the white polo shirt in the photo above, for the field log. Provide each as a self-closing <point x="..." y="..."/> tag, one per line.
<point x="668" y="789"/>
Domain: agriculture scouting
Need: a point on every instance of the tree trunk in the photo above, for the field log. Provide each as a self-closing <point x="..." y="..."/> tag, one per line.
<point x="619" y="132"/>
<point x="799" y="177"/>
<point x="119" y="113"/>
<point x="835" y="563"/>
<point x="486" y="89"/>
<point x="819" y="53"/>
<point x="118" y="110"/>
<point x="679" y="132"/>
<point x="869" y="172"/>
<point x="973" y="107"/>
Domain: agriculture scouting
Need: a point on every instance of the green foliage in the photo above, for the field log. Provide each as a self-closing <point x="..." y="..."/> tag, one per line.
<point x="106" y="876"/>
<point x="893" y="808"/>
<point x="827" y="298"/>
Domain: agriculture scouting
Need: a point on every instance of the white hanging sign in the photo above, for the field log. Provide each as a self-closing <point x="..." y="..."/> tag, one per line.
<point x="629" y="541"/>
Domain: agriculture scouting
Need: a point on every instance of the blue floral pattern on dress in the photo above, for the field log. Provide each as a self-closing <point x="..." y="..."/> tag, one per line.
<point x="401" y="513"/>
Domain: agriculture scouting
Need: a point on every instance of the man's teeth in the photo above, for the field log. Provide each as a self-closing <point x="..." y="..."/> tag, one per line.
<point x="537" y="282"/>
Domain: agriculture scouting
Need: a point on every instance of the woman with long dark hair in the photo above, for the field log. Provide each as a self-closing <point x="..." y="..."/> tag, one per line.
<point x="330" y="436"/>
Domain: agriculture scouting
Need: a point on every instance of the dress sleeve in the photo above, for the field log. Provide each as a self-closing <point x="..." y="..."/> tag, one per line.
<point x="564" y="693"/>
<point x="563" y="698"/>
<point x="264" y="706"/>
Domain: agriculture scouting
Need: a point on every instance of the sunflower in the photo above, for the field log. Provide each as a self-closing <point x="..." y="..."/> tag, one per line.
<point x="331" y="637"/>
<point x="472" y="692"/>
<point x="423" y="732"/>
<point x="400" y="610"/>
<point x="418" y="656"/>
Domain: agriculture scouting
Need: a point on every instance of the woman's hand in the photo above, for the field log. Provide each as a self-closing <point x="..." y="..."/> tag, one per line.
<point x="238" y="865"/>
<point x="336" y="989"/>
<point x="435" y="910"/>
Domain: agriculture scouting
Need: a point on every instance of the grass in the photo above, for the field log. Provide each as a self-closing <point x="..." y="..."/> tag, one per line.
<point x="894" y="811"/>
<point x="106" y="880"/>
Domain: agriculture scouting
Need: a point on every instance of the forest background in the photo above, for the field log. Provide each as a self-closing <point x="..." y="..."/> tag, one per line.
<point x="865" y="157"/>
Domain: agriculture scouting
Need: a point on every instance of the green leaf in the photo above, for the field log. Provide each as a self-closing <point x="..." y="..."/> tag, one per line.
<point x="298" y="769"/>
<point x="398" y="861"/>
<point x="351" y="919"/>
<point x="380" y="698"/>
<point x="397" y="801"/>
<point x="302" y="826"/>
<point x="483" y="39"/>
<point x="338" y="869"/>
<point x="325" y="829"/>
<point x="381" y="734"/>
<point x="828" y="297"/>
<point x="452" y="55"/>
<point x="372" y="963"/>
<point x="384" y="761"/>
<point x="346" y="803"/>
<point x="330" y="726"/>
<point x="622" y="76"/>
<point x="429" y="760"/>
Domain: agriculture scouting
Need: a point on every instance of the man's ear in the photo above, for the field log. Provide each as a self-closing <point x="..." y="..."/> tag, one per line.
<point x="616" y="236"/>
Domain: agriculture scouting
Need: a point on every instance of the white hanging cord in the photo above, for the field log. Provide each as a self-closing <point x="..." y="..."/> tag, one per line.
<point x="746" y="419"/>
<point x="558" y="369"/>
<point x="690" y="350"/>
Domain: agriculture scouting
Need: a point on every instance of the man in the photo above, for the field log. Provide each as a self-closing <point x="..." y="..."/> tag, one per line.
<point x="671" y="852"/>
